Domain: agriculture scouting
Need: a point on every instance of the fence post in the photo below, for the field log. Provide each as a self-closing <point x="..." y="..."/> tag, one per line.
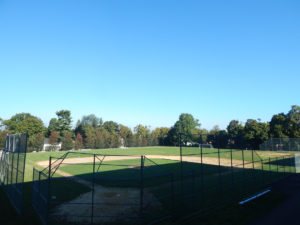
<point x="201" y="153"/>
<point x="270" y="170"/>
<point x="252" y="159"/>
<point x="172" y="195"/>
<point x="243" y="158"/>
<point x="39" y="195"/>
<point x="277" y="164"/>
<point x="93" y="190"/>
<point x="219" y="167"/>
<point x="283" y="159"/>
<point x="181" y="169"/>
<point x="262" y="171"/>
<point x="17" y="173"/>
<point x="49" y="191"/>
<point x="243" y="179"/>
<point x="253" y="172"/>
<point x="231" y="169"/>
<point x="142" y="189"/>
<point x="291" y="163"/>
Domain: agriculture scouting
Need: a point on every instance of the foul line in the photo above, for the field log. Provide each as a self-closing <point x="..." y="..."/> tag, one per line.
<point x="254" y="197"/>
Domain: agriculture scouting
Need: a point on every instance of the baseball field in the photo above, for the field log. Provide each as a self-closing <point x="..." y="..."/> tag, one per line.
<point x="107" y="184"/>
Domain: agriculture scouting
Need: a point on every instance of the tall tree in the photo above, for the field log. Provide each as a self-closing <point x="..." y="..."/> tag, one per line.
<point x="279" y="126"/>
<point x="78" y="142"/>
<point x="3" y="135"/>
<point x="35" y="142"/>
<point x="1" y="122"/>
<point x="161" y="134"/>
<point x="67" y="142"/>
<point x="53" y="138"/>
<point x="126" y="134"/>
<point x="185" y="125"/>
<point x="90" y="120"/>
<point x="294" y="122"/>
<point x="111" y="126"/>
<point x="53" y="126"/>
<point x="90" y="140"/>
<point x="256" y="132"/>
<point x="100" y="136"/>
<point x="235" y="131"/>
<point x="142" y="131"/>
<point x="64" y="121"/>
<point x="24" y="122"/>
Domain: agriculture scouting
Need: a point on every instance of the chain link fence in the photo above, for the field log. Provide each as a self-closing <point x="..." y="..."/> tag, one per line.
<point x="281" y="144"/>
<point x="12" y="167"/>
<point x="82" y="188"/>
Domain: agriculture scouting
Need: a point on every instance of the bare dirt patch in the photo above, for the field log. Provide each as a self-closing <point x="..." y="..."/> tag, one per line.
<point x="111" y="203"/>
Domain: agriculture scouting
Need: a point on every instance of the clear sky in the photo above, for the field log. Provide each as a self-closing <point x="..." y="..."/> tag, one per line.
<point x="147" y="61"/>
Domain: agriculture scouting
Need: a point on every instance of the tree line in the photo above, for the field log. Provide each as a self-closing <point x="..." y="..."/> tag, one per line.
<point x="93" y="133"/>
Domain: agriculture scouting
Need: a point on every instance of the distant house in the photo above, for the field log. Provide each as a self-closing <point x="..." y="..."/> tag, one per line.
<point x="49" y="147"/>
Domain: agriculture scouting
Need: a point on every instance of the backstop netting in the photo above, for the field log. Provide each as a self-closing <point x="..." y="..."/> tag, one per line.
<point x="281" y="144"/>
<point x="12" y="167"/>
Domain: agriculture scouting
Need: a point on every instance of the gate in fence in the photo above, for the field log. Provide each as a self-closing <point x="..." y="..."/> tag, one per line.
<point x="12" y="167"/>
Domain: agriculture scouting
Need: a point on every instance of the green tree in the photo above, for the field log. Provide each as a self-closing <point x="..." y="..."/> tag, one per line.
<point x="78" y="141"/>
<point x="3" y="134"/>
<point x="53" y="126"/>
<point x="114" y="141"/>
<point x="111" y="126"/>
<point x="222" y="139"/>
<point x="125" y="134"/>
<point x="88" y="123"/>
<point x="90" y="140"/>
<point x="1" y="123"/>
<point x="24" y="122"/>
<point x="256" y="132"/>
<point x="100" y="138"/>
<point x="91" y="120"/>
<point x="35" y="142"/>
<point x="161" y="134"/>
<point x="67" y="142"/>
<point x="53" y="138"/>
<point x="235" y="131"/>
<point x="279" y="126"/>
<point x="293" y="127"/>
<point x="64" y="121"/>
<point x="185" y="125"/>
<point x="142" y="131"/>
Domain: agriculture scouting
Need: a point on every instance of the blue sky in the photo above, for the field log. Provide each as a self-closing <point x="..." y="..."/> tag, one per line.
<point x="148" y="61"/>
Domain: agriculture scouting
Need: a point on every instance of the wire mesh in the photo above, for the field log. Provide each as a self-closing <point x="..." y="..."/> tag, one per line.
<point x="12" y="168"/>
<point x="281" y="144"/>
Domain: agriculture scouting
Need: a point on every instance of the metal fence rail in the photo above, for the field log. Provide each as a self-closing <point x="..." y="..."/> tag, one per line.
<point x="12" y="167"/>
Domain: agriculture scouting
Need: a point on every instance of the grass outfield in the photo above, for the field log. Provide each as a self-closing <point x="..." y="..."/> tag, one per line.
<point x="9" y="217"/>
